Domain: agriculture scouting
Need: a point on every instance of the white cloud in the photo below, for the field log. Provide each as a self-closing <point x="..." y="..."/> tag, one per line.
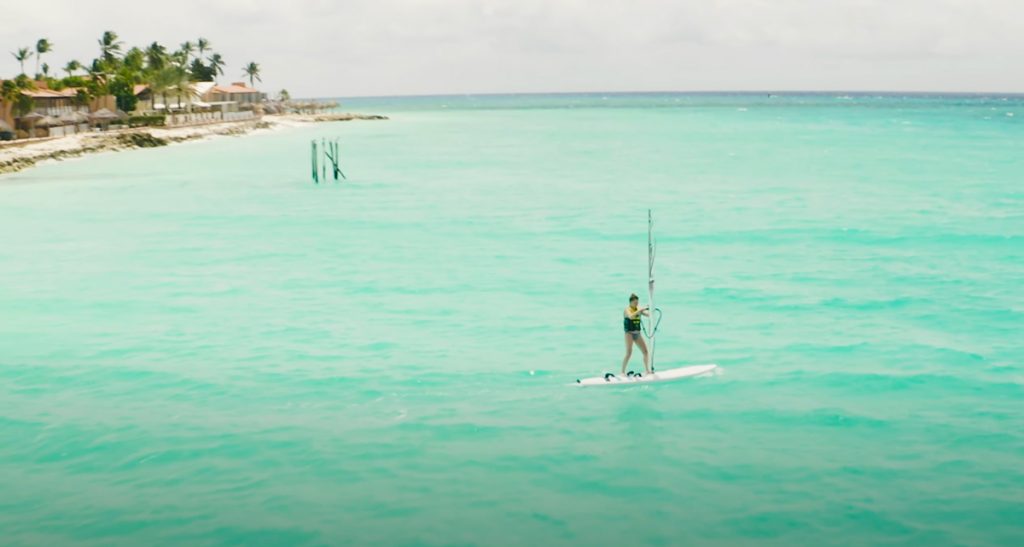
<point x="366" y="47"/>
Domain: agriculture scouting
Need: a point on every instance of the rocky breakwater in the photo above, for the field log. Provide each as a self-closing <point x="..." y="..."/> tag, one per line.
<point x="334" y="117"/>
<point x="17" y="155"/>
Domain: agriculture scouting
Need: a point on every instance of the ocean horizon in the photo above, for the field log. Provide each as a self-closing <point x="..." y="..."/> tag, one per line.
<point x="768" y="93"/>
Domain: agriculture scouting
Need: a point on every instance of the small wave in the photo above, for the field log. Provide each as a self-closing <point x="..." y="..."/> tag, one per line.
<point x="931" y="383"/>
<point x="827" y="348"/>
<point x="881" y="304"/>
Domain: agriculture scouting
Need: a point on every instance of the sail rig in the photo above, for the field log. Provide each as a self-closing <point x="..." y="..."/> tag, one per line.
<point x="652" y="320"/>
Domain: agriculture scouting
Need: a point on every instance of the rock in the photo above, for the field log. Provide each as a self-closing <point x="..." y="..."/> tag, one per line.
<point x="140" y="140"/>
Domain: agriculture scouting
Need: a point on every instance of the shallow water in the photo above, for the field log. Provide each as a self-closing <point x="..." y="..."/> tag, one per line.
<point x="198" y="345"/>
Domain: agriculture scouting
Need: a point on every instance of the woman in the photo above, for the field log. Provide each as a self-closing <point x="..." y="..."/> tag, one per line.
<point x="631" y="324"/>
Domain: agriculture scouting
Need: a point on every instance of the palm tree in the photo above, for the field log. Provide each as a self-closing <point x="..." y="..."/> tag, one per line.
<point x="252" y="70"/>
<point x="182" y="85"/>
<point x="110" y="46"/>
<point x="134" y="59"/>
<point x="156" y="56"/>
<point x="46" y="70"/>
<point x="71" y="67"/>
<point x="42" y="46"/>
<point x="187" y="49"/>
<point x="96" y="71"/>
<point x="160" y="82"/>
<point x="180" y="58"/>
<point x="202" y="46"/>
<point x="216" y="65"/>
<point x="22" y="55"/>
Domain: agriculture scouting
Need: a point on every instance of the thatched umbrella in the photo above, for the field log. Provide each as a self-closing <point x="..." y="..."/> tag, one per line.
<point x="30" y="120"/>
<point x="103" y="114"/>
<point x="48" y="121"/>
<point x="31" y="117"/>
<point x="103" y="117"/>
<point x="73" y="119"/>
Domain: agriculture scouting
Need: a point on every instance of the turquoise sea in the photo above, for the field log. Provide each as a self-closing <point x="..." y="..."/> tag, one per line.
<point x="199" y="346"/>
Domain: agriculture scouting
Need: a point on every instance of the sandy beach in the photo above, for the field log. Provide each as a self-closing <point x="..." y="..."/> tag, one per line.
<point x="18" y="155"/>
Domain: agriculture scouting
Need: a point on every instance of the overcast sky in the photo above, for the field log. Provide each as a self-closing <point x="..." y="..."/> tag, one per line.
<point x="406" y="47"/>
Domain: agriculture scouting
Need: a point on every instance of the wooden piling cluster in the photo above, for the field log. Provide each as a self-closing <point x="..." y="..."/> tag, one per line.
<point x="322" y="154"/>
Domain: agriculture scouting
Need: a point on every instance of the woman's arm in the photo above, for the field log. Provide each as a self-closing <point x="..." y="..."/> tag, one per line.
<point x="639" y="311"/>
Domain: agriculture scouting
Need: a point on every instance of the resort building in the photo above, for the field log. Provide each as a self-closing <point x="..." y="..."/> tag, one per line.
<point x="236" y="92"/>
<point x="204" y="102"/>
<point x="53" y="112"/>
<point x="59" y="112"/>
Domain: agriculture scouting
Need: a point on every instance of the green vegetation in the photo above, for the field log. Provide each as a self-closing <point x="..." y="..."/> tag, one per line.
<point x="42" y="46"/>
<point x="11" y="93"/>
<point x="124" y="93"/>
<point x="71" y="67"/>
<point x="252" y="70"/>
<point x="216" y="65"/>
<point x="152" y="120"/>
<point x="23" y="104"/>
<point x="118" y="69"/>
<point x="22" y="55"/>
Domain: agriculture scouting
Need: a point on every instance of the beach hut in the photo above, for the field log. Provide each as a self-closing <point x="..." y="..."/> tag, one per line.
<point x="102" y="118"/>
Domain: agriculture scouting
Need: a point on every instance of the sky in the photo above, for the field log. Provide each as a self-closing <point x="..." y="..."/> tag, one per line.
<point x="324" y="48"/>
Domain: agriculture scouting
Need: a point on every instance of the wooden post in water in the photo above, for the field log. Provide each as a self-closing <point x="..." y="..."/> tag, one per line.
<point x="323" y="145"/>
<point x="316" y="178"/>
<point x="331" y="152"/>
<point x="334" y="158"/>
<point x="337" y="162"/>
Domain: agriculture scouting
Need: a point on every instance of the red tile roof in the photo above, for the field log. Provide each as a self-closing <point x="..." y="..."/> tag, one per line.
<point x="233" y="88"/>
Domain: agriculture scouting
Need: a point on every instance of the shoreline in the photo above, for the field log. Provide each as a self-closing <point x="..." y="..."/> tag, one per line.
<point x="17" y="156"/>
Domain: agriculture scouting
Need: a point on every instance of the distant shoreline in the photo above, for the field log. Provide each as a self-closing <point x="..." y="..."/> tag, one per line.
<point x="20" y="155"/>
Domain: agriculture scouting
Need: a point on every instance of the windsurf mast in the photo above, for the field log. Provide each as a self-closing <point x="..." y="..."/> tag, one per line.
<point x="650" y="285"/>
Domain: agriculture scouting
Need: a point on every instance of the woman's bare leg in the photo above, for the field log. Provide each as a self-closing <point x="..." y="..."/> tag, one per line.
<point x="629" y="352"/>
<point x="643" y="347"/>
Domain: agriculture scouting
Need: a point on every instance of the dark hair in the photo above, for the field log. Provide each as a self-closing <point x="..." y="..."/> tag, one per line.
<point x="633" y="297"/>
